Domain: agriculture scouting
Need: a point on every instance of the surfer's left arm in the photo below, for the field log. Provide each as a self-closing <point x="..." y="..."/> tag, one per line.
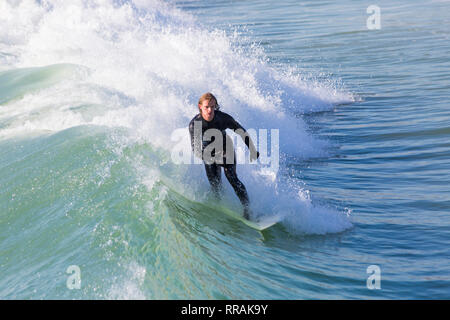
<point x="238" y="129"/>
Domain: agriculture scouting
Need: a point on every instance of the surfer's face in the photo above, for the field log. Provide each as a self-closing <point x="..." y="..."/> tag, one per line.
<point x="207" y="109"/>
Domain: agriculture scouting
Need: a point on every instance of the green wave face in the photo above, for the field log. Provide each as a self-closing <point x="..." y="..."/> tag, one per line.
<point x="75" y="198"/>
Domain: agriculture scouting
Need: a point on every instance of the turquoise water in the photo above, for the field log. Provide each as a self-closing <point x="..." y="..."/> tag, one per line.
<point x="92" y="94"/>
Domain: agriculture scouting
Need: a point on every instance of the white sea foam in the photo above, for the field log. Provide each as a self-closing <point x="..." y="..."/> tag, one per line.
<point x="129" y="286"/>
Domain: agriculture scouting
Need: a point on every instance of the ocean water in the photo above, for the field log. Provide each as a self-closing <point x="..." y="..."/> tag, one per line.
<point x="95" y="96"/>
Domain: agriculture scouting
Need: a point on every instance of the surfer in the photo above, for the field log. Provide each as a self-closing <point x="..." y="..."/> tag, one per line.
<point x="216" y="155"/>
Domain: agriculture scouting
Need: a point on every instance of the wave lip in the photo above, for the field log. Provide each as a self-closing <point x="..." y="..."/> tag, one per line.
<point x="15" y="83"/>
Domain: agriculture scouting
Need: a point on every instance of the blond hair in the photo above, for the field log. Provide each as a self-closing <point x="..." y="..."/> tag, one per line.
<point x="208" y="96"/>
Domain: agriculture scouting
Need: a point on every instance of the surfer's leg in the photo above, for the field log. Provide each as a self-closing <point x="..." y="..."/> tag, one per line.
<point x="214" y="176"/>
<point x="238" y="186"/>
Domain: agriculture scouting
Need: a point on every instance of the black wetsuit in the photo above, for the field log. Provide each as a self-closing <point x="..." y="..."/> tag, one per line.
<point x="221" y="121"/>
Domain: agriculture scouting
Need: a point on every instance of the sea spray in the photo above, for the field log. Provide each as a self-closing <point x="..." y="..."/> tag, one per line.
<point x="146" y="67"/>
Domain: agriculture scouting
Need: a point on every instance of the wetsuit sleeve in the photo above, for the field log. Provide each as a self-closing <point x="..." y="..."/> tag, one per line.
<point x="196" y="145"/>
<point x="236" y="126"/>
